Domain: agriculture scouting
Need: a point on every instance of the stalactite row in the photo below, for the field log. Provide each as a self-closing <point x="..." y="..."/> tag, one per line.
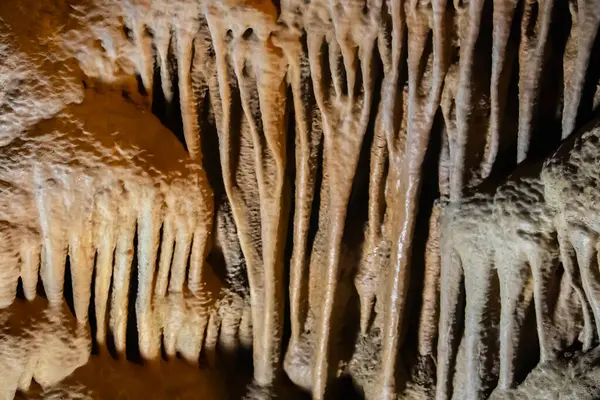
<point x="321" y="118"/>
<point x="502" y="246"/>
<point x="524" y="256"/>
<point x="80" y="193"/>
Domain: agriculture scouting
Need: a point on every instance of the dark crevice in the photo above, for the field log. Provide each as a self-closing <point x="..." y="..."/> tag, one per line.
<point x="344" y="327"/>
<point x="92" y="310"/>
<point x="40" y="285"/>
<point x="592" y="80"/>
<point x="132" y="351"/>
<point x="477" y="119"/>
<point x="532" y="20"/>
<point x="528" y="349"/>
<point x="429" y="193"/>
<point x="506" y="159"/>
<point x="203" y="358"/>
<point x="174" y="118"/>
<point x="491" y="315"/>
<point x="20" y="290"/>
<point x="169" y="114"/>
<point x="210" y="143"/>
<point x="140" y="85"/>
<point x="547" y="129"/>
<point x="458" y="327"/>
<point x="68" y="286"/>
<point x="326" y="81"/>
<point x="248" y="34"/>
<point x="234" y="145"/>
<point x="110" y="343"/>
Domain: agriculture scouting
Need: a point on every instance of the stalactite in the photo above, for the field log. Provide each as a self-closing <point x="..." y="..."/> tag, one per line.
<point x="105" y="232"/>
<point x="122" y="271"/>
<point x="428" y="320"/>
<point x="244" y="69"/>
<point x="203" y="217"/>
<point x="344" y="125"/>
<point x="569" y="264"/>
<point x="54" y="246"/>
<point x="512" y="282"/>
<point x="146" y="58"/>
<point x="450" y="298"/>
<point x="405" y="168"/>
<point x="162" y="40"/>
<point x="269" y="161"/>
<point x="10" y="267"/>
<point x="222" y="98"/>
<point x="387" y="126"/>
<point x="30" y="262"/>
<point x="470" y="17"/>
<point x="366" y="280"/>
<point x="81" y="238"/>
<point x="586" y="21"/>
<point x="520" y="240"/>
<point x="186" y="95"/>
<point x="535" y="27"/>
<point x="148" y="236"/>
<point x="182" y="249"/>
<point x="308" y="136"/>
<point x="502" y="60"/>
<point x="243" y="194"/>
<point x="167" y="244"/>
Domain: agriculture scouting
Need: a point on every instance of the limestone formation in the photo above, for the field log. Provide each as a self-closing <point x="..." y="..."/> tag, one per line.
<point x="379" y="198"/>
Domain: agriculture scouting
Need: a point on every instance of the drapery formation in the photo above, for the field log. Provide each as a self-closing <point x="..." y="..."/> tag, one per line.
<point x="318" y="134"/>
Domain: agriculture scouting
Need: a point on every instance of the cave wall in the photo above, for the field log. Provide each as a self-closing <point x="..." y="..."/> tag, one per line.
<point x="325" y="183"/>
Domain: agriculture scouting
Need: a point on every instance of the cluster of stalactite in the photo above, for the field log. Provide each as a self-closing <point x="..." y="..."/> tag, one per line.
<point x="524" y="255"/>
<point x="323" y="130"/>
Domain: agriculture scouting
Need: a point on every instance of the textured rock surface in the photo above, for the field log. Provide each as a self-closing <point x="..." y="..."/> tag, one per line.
<point x="45" y="345"/>
<point x="572" y="377"/>
<point x="322" y="183"/>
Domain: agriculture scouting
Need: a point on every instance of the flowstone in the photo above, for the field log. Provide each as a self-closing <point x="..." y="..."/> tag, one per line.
<point x="324" y="198"/>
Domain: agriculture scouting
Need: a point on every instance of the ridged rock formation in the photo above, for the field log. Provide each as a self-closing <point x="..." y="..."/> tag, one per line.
<point x="365" y="194"/>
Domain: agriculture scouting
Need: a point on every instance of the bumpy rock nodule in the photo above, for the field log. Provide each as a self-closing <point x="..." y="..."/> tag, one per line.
<point x="314" y="137"/>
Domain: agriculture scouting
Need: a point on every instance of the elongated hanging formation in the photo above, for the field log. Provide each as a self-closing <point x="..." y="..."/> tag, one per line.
<point x="322" y="119"/>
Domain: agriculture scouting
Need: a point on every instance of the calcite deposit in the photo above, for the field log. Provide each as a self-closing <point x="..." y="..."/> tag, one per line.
<point x="379" y="199"/>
